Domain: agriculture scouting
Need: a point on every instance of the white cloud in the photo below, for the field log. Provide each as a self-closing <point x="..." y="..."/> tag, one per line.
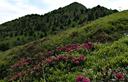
<point x="11" y="9"/>
<point x="118" y="4"/>
<point x="113" y="4"/>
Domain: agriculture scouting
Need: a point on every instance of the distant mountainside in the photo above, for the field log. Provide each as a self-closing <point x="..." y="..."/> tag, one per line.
<point x="34" y="26"/>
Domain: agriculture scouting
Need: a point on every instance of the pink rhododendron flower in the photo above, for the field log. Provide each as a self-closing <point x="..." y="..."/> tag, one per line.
<point x="81" y="78"/>
<point x="21" y="63"/>
<point x="50" y="52"/>
<point x="61" y="57"/>
<point x="119" y="76"/>
<point x="82" y="58"/>
<point x="88" y="45"/>
<point x="86" y="80"/>
<point x="49" y="60"/>
<point x="68" y="48"/>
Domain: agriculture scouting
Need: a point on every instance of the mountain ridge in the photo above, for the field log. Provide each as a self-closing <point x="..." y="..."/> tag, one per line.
<point x="33" y="27"/>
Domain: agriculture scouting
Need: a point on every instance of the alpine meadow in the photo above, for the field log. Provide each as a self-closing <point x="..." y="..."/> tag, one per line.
<point x="69" y="44"/>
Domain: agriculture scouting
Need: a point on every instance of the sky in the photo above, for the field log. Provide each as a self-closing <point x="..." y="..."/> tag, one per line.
<point x="12" y="9"/>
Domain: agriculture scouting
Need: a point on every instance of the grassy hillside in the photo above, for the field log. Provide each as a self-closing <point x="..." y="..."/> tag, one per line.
<point x="33" y="27"/>
<point x="97" y="52"/>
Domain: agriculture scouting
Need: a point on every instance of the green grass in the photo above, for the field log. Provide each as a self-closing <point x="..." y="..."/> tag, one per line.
<point x="112" y="54"/>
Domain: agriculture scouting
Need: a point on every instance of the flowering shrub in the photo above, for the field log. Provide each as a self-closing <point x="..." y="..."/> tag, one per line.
<point x="81" y="78"/>
<point x="29" y="67"/>
<point x="76" y="60"/>
<point x="68" y="48"/>
<point x="22" y="62"/>
<point x="63" y="61"/>
<point x="50" y="52"/>
<point x="61" y="58"/>
<point x="16" y="76"/>
<point x="88" y="45"/>
<point x="75" y="47"/>
<point x="49" y="60"/>
<point x="112" y="75"/>
<point x="119" y="76"/>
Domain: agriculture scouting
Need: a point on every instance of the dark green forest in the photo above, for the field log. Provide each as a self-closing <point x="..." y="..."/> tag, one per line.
<point x="33" y="27"/>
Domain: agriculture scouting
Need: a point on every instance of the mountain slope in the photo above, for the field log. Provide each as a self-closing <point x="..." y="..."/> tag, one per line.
<point x="33" y="27"/>
<point x="56" y="57"/>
